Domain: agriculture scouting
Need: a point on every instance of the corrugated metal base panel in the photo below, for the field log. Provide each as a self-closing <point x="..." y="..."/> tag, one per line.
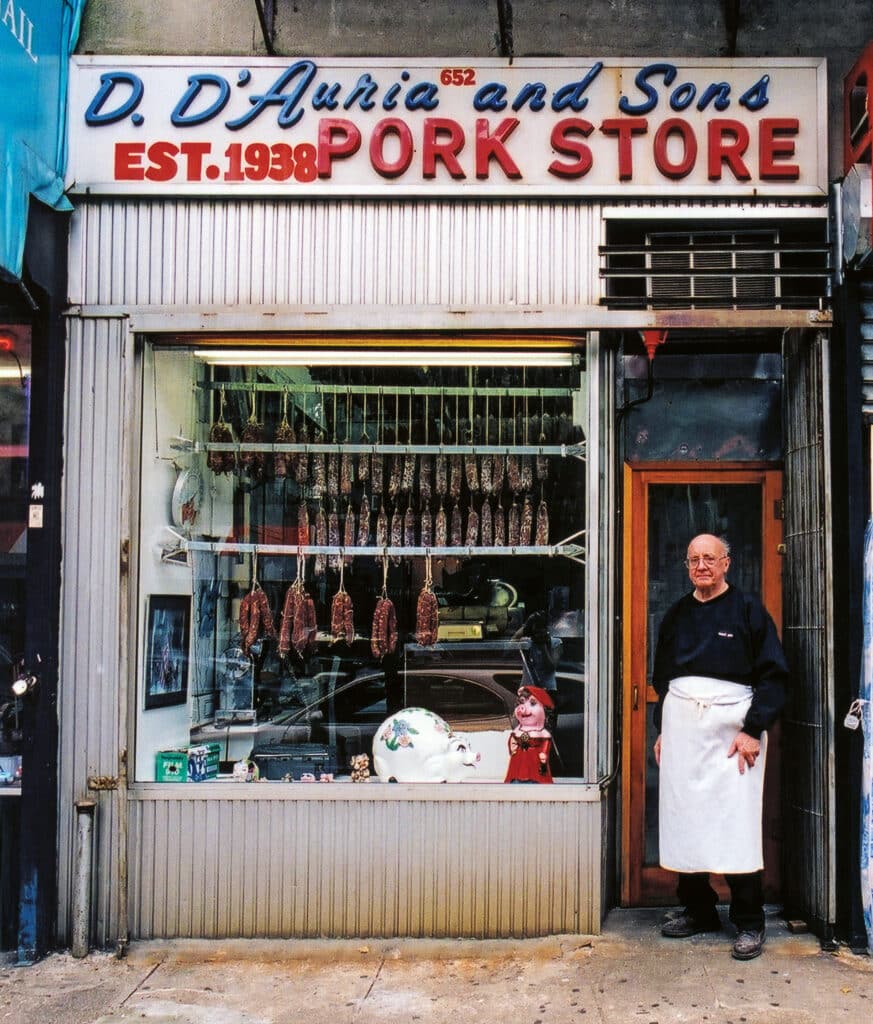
<point x="286" y="868"/>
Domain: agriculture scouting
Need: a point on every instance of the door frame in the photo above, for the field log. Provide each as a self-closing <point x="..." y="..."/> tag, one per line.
<point x="642" y="884"/>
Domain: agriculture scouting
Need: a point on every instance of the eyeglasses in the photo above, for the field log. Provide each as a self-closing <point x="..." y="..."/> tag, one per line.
<point x="707" y="560"/>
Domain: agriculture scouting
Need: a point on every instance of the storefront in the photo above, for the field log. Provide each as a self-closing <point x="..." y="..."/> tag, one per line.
<point x="365" y="413"/>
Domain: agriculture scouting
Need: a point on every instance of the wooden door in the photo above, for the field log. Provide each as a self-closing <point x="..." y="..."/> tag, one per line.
<point x="665" y="506"/>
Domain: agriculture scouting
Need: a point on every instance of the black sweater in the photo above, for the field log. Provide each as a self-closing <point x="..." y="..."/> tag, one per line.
<point x="730" y="637"/>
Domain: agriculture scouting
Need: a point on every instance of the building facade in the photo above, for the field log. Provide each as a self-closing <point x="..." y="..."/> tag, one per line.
<point x="485" y="337"/>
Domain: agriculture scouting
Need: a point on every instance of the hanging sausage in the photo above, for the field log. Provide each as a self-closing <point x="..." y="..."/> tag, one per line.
<point x="254" y="463"/>
<point x="283" y="462"/>
<point x="364" y="523"/>
<point x="427" y="616"/>
<point x="221" y="433"/>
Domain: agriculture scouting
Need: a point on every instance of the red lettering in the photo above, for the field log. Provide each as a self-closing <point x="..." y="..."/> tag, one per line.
<point x="772" y="148"/>
<point x="433" y="150"/>
<point x="565" y="144"/>
<point x="675" y="126"/>
<point x="194" y="152"/>
<point x="163" y="157"/>
<point x="128" y="161"/>
<point x="625" y="128"/>
<point x="337" y="139"/>
<point x="728" y="140"/>
<point x="400" y="129"/>
<point x="491" y="147"/>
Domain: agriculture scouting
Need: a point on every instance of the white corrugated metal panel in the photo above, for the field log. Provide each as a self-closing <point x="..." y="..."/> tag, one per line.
<point x="244" y="867"/>
<point x="356" y="252"/>
<point x="95" y="496"/>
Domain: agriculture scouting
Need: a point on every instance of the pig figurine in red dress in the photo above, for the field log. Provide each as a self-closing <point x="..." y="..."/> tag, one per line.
<point x="530" y="742"/>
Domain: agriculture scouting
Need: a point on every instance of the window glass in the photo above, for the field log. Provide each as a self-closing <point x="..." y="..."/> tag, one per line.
<point x="15" y="379"/>
<point x="288" y="494"/>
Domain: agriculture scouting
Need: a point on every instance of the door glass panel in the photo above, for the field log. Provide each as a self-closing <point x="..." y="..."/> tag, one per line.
<point x="678" y="512"/>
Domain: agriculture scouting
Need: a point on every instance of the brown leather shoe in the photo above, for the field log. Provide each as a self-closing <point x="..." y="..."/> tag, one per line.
<point x="682" y="926"/>
<point x="748" y="945"/>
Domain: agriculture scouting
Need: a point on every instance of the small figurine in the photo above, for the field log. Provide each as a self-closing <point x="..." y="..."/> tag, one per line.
<point x="530" y="742"/>
<point x="360" y="765"/>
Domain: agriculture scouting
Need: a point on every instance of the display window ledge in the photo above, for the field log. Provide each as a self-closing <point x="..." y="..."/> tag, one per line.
<point x="451" y="792"/>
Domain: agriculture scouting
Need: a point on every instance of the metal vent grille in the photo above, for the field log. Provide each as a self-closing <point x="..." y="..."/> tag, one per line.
<point x="725" y="269"/>
<point x="716" y="266"/>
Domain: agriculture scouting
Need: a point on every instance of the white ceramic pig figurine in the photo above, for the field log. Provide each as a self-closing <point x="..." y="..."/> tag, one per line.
<point x="415" y="745"/>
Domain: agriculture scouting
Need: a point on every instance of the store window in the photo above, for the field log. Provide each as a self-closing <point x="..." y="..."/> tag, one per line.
<point x="15" y="378"/>
<point x="332" y="535"/>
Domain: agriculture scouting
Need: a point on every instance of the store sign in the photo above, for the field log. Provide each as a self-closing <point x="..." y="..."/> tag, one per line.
<point x="319" y="127"/>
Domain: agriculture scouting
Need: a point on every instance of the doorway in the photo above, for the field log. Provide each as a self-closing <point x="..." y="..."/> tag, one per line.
<point x="665" y="506"/>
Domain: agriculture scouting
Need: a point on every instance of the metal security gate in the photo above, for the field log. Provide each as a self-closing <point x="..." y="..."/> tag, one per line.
<point x="809" y="880"/>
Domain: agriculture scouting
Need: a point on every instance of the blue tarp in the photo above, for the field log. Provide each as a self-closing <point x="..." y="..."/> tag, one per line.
<point x="36" y="40"/>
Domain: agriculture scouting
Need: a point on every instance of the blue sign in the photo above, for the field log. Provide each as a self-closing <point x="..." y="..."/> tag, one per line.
<point x="36" y="40"/>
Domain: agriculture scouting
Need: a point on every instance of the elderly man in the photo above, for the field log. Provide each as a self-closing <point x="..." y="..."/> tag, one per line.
<point x="720" y="674"/>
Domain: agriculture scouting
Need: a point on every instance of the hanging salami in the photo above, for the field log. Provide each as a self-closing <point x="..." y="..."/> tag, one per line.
<point x="220" y="433"/>
<point x="426" y="528"/>
<point x="486" y="474"/>
<point x="382" y="535"/>
<point x="395" y="477"/>
<point x="383" y="635"/>
<point x="441" y="529"/>
<point x="471" y="472"/>
<point x="499" y="525"/>
<point x="457" y="529"/>
<point x="396" y="532"/>
<point x="456" y="473"/>
<point x="472" y="540"/>
<point x="376" y="474"/>
<point x="407" y="478"/>
<point x="513" y="529"/>
<point x="486" y="524"/>
<point x="283" y="462"/>
<point x="542" y="537"/>
<point x="526" y="473"/>
<point x="286" y="619"/>
<point x="527" y="518"/>
<point x="255" y="618"/>
<point x="320" y="541"/>
<point x="221" y="462"/>
<point x="333" y="537"/>
<point x="364" y="523"/>
<point x="346" y="473"/>
<point x="441" y="475"/>
<point x="319" y="467"/>
<point x="254" y="463"/>
<point x="427" y="618"/>
<point x="409" y="528"/>
<point x="498" y="473"/>
<point x="513" y="474"/>
<point x="349" y="533"/>
<point x="305" y="627"/>
<point x="342" y="619"/>
<point x="300" y="466"/>
<point x="303" y="523"/>
<point x="425" y="478"/>
<point x="333" y="474"/>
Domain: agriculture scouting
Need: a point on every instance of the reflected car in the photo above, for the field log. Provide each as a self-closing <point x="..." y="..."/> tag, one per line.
<point x="476" y="700"/>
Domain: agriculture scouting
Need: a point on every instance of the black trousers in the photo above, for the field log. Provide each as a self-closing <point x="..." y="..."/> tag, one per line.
<point x="747" y="898"/>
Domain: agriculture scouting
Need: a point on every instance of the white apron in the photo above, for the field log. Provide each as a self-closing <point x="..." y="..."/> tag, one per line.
<point x="709" y="814"/>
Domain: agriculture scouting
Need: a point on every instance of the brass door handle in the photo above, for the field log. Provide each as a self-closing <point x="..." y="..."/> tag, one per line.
<point x="635" y="698"/>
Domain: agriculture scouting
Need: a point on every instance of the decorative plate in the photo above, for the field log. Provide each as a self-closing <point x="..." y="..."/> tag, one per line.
<point x="187" y="497"/>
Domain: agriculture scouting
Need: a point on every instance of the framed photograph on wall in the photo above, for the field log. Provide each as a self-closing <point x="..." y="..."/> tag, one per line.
<point x="167" y="650"/>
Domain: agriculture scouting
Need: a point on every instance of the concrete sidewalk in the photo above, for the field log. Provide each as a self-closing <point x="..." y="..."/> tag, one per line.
<point x="627" y="974"/>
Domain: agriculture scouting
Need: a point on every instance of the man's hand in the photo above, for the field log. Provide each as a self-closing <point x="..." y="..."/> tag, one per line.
<point x="657" y="751"/>
<point x="748" y="749"/>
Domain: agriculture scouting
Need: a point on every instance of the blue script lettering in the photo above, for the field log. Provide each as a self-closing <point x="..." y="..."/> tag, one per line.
<point x="180" y="116"/>
<point x="95" y="115"/>
<point x="290" y="114"/>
